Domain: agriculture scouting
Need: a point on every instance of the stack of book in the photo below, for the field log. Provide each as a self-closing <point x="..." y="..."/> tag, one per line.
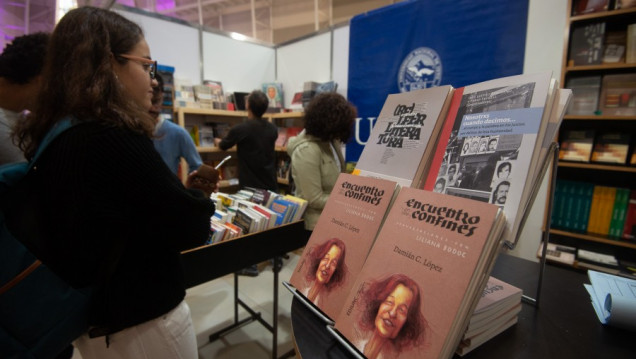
<point x="497" y="310"/>
<point x="252" y="210"/>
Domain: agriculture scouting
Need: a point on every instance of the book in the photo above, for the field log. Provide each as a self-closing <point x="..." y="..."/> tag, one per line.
<point x="580" y="7"/>
<point x="576" y="145"/>
<point x="427" y="241"/>
<point x="618" y="213"/>
<point x="274" y="92"/>
<point x="618" y="95"/>
<point x="586" y="46"/>
<point x="341" y="240"/>
<point x="614" y="47"/>
<point x="216" y="96"/>
<point x="284" y="208"/>
<point x="630" y="44"/>
<point x="497" y="310"/>
<point x="558" y="253"/>
<point x="405" y="132"/>
<point x="281" y="140"/>
<point x="629" y="230"/>
<point x="466" y="346"/>
<point x="611" y="147"/>
<point x="313" y="88"/>
<point x="302" y="206"/>
<point x="513" y="113"/>
<point x="497" y="297"/>
<point x="585" y="94"/>
<point x="613" y="299"/>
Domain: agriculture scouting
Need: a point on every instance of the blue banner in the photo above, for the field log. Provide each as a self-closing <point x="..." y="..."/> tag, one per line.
<point x="425" y="43"/>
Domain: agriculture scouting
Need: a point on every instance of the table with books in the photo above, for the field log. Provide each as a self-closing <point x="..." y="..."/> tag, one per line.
<point x="563" y="326"/>
<point x="209" y="262"/>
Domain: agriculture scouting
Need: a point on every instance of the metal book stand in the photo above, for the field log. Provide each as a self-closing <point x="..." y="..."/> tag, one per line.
<point x="553" y="151"/>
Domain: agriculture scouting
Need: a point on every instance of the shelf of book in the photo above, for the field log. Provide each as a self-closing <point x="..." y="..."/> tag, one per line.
<point x="603" y="14"/>
<point x="594" y="166"/>
<point x="594" y="238"/>
<point x="599" y="67"/>
<point x="616" y="66"/>
<point x="597" y="118"/>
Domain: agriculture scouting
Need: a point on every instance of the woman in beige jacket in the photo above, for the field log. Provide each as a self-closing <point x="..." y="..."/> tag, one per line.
<point x="316" y="154"/>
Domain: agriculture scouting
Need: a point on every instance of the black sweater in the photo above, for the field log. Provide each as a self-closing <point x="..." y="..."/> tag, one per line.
<point x="112" y="213"/>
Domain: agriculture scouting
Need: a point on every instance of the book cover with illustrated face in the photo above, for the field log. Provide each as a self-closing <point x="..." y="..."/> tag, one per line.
<point x="341" y="240"/>
<point x="423" y="277"/>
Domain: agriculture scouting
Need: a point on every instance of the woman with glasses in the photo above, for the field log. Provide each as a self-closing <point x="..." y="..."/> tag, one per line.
<point x="112" y="214"/>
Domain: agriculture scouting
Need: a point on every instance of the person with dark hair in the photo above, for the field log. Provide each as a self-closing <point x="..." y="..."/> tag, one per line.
<point x="255" y="141"/>
<point x="440" y="185"/>
<point x="20" y="67"/>
<point x="172" y="141"/>
<point x="110" y="213"/>
<point x="316" y="154"/>
<point x="326" y="269"/>
<point x="391" y="317"/>
<point x="500" y="194"/>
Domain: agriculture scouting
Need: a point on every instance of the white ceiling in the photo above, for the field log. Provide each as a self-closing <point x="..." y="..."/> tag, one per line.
<point x="271" y="21"/>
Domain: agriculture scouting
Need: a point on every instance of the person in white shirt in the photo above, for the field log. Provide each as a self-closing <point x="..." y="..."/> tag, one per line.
<point x="20" y="67"/>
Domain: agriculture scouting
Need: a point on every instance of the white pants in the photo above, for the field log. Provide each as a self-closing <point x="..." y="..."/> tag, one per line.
<point x="170" y="336"/>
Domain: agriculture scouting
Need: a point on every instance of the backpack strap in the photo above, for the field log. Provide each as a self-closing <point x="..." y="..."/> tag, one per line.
<point x="61" y="126"/>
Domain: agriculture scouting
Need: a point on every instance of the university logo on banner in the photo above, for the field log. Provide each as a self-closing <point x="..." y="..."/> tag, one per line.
<point x="422" y="68"/>
<point x="421" y="44"/>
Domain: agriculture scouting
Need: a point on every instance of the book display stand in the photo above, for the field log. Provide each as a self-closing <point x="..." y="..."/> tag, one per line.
<point x="553" y="154"/>
<point x="209" y="262"/>
<point x="550" y="157"/>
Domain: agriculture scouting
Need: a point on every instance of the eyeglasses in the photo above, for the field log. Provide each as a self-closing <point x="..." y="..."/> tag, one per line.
<point x="150" y="66"/>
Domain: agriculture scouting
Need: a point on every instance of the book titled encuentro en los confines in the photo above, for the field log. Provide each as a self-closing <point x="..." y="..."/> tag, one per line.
<point x="341" y="240"/>
<point x="423" y="278"/>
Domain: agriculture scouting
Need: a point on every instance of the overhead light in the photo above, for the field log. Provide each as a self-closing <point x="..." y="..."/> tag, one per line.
<point x="64" y="6"/>
<point x="237" y="36"/>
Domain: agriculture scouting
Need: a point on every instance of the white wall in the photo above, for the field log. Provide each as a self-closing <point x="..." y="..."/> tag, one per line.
<point x="244" y="66"/>
<point x="171" y="44"/>
<point x="306" y="60"/>
<point x="241" y="66"/>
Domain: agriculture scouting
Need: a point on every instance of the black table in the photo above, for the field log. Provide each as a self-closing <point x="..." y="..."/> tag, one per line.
<point x="563" y="326"/>
<point x="209" y="262"/>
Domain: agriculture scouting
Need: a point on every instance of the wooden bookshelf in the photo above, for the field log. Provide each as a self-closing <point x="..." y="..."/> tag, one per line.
<point x="599" y="174"/>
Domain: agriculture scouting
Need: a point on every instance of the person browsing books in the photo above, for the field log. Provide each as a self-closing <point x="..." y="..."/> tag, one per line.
<point x="172" y="141"/>
<point x="20" y="66"/>
<point x="326" y="269"/>
<point x="255" y="141"/>
<point x="111" y="214"/>
<point x="391" y="321"/>
<point x="316" y="155"/>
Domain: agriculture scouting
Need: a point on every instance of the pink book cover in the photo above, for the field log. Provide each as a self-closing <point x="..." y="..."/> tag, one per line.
<point x="422" y="279"/>
<point x="341" y="240"/>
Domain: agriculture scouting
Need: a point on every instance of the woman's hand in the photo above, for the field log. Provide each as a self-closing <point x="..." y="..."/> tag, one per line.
<point x="206" y="180"/>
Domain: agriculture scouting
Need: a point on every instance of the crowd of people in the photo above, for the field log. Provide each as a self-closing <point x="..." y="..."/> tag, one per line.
<point x="115" y="169"/>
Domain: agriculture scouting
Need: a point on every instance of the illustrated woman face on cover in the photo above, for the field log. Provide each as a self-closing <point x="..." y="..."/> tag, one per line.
<point x="392" y="314"/>
<point x="327" y="267"/>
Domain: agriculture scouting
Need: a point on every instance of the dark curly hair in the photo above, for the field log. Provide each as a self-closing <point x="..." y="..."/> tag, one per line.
<point x="330" y="116"/>
<point x="258" y="102"/>
<point x="23" y="59"/>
